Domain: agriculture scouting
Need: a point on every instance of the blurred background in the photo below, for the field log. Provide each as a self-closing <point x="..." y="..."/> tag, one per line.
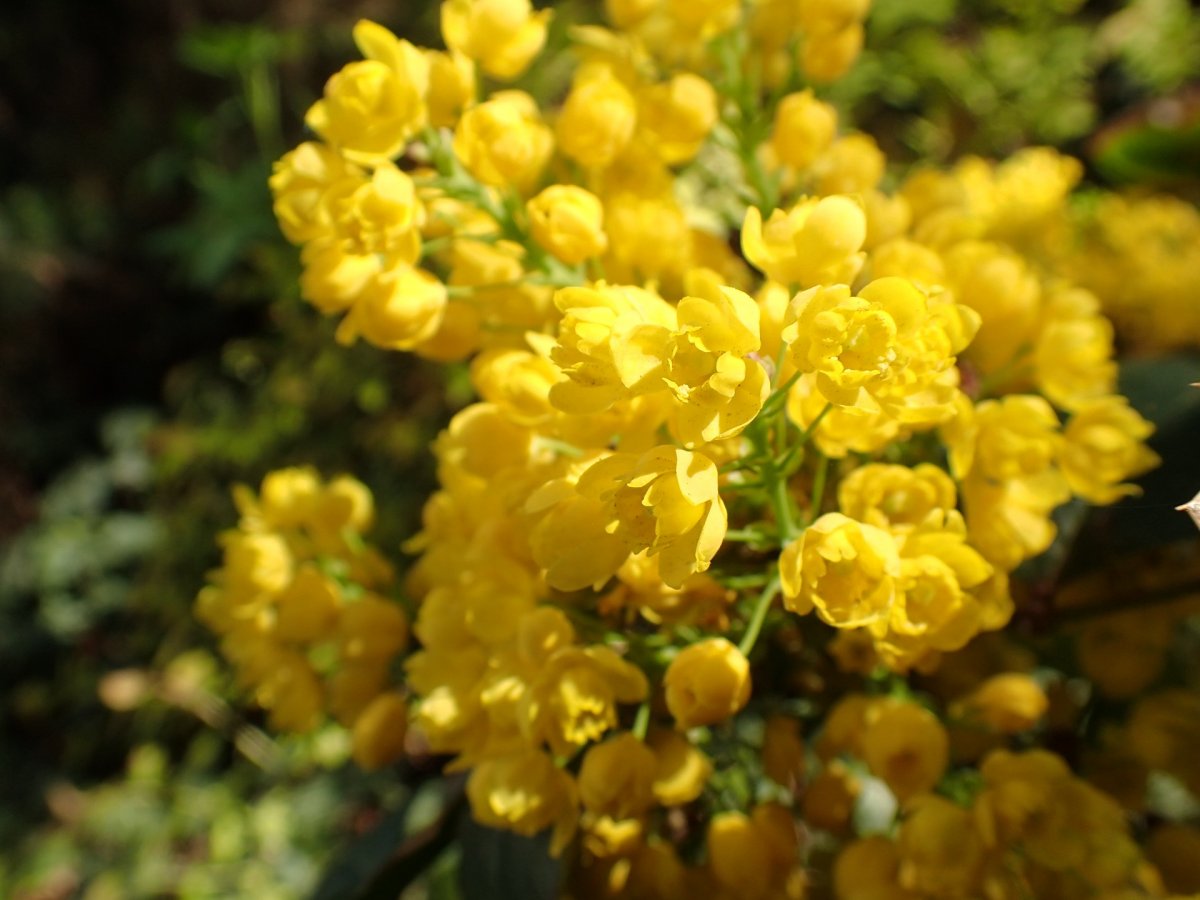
<point x="153" y="351"/>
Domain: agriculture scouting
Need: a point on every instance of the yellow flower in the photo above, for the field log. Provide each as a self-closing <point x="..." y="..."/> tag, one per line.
<point x="289" y="691"/>
<point x="829" y="798"/>
<point x="681" y="770"/>
<point x="503" y="36"/>
<point x="844" y="569"/>
<point x="612" y="343"/>
<point x="666" y="502"/>
<point x="451" y="86"/>
<point x="648" y="236"/>
<point x="676" y="116"/>
<point x="1014" y="437"/>
<point x="868" y="868"/>
<point x="941" y="854"/>
<point x="573" y="698"/>
<point x="617" y="777"/>
<point x="891" y="348"/>
<point x="1010" y="703"/>
<point x="503" y="141"/>
<point x="1102" y="446"/>
<point x="827" y="56"/>
<point x="804" y="129"/>
<point x="751" y="856"/>
<point x="853" y="164"/>
<point x="379" y="215"/>
<point x="287" y="499"/>
<point x="815" y="242"/>
<point x="255" y="564"/>
<point x="718" y="386"/>
<point x="371" y="108"/>
<point x="334" y="278"/>
<point x="517" y="381"/>
<point x="1072" y="357"/>
<point x="397" y="310"/>
<point x="706" y="683"/>
<point x="308" y="608"/>
<point x="371" y="629"/>
<point x="906" y="746"/>
<point x="842" y="429"/>
<point x="998" y="284"/>
<point x="936" y="567"/>
<point x="597" y="119"/>
<point x="888" y="495"/>
<point x="299" y="182"/>
<point x="568" y="222"/>
<point x="378" y="733"/>
<point x="525" y="792"/>
<point x="783" y="751"/>
<point x="1010" y="522"/>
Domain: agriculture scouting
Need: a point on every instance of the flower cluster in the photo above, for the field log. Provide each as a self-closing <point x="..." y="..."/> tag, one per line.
<point x="760" y="443"/>
<point x="298" y="605"/>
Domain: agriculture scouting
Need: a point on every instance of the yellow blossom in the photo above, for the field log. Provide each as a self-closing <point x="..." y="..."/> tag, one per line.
<point x="829" y="799"/>
<point x="617" y="777"/>
<point x="666" y="502"/>
<point x="817" y="241"/>
<point x="804" y="128"/>
<point x="299" y="183"/>
<point x="568" y="222"/>
<point x="891" y="348"/>
<point x="681" y="770"/>
<point x="378" y="733"/>
<point x="396" y="310"/>
<point x="1011" y="702"/>
<point x="889" y="495"/>
<point x="906" y="746"/>
<point x="676" y="116"/>
<point x="371" y="108"/>
<point x="941" y="854"/>
<point x="707" y="682"/>
<point x="1102" y="446"/>
<point x="525" y="792"/>
<point x="574" y="695"/>
<point x="597" y="120"/>
<point x="853" y="164"/>
<point x="451" y="86"/>
<point x="844" y="569"/>
<point x="503" y="36"/>
<point x="503" y="141"/>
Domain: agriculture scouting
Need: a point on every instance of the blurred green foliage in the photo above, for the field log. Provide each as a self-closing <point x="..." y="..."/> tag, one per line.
<point x="942" y="78"/>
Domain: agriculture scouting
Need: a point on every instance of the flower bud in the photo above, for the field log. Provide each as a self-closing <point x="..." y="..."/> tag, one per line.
<point x="804" y="128"/>
<point x="707" y="683"/>
<point x="616" y="777"/>
<point x="379" y="732"/>
<point x="568" y="222"/>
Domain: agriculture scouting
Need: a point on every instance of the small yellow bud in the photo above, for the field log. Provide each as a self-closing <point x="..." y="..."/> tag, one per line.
<point x="379" y="732"/>
<point x="707" y="683"/>
<point x="568" y="222"/>
<point x="616" y="777"/>
<point x="1009" y="703"/>
<point x="596" y="121"/>
<point x="804" y="128"/>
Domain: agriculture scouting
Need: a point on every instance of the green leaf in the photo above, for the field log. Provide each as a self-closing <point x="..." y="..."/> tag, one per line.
<point x="386" y="860"/>
<point x="501" y="865"/>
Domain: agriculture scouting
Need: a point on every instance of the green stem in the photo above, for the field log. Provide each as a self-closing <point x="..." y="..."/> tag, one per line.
<point x="818" y="491"/>
<point x="641" y="722"/>
<point x="759" y="616"/>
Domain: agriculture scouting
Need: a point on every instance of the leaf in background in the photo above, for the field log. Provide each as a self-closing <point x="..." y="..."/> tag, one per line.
<point x="1157" y="144"/>
<point x="501" y="865"/>
<point x="386" y="860"/>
